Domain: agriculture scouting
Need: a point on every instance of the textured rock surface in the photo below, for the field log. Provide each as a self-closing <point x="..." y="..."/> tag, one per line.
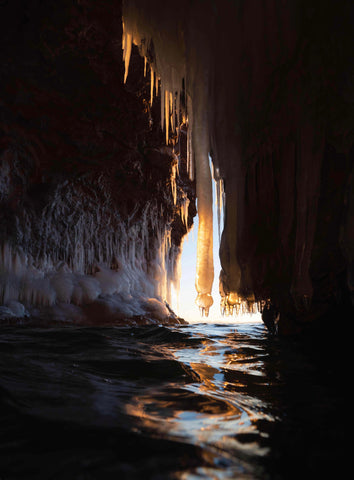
<point x="293" y="161"/>
<point x="83" y="166"/>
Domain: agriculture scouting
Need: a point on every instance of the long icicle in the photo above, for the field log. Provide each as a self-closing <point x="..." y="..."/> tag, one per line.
<point x="205" y="264"/>
<point x="126" y="53"/>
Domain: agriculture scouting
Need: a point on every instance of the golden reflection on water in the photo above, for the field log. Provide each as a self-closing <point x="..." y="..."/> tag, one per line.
<point x="191" y="403"/>
<point x="220" y="399"/>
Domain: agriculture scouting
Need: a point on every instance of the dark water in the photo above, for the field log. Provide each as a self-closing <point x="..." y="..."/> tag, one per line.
<point x="189" y="402"/>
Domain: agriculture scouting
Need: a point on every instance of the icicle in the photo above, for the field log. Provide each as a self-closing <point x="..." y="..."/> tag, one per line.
<point x="173" y="186"/>
<point x="167" y="115"/>
<point x="152" y="78"/>
<point x="205" y="267"/>
<point x="157" y="82"/>
<point x="162" y="106"/>
<point x="184" y="211"/>
<point x="189" y="139"/>
<point x="190" y="166"/>
<point x="178" y="107"/>
<point x="172" y="110"/>
<point x="126" y="54"/>
<point x="219" y="203"/>
<point x="174" y="174"/>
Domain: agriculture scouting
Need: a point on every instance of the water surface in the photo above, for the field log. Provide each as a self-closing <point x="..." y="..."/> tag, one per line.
<point x="189" y="402"/>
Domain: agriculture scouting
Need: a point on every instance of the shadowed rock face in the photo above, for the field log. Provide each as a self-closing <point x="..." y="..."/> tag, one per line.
<point x="83" y="166"/>
<point x="292" y="169"/>
<point x="73" y="136"/>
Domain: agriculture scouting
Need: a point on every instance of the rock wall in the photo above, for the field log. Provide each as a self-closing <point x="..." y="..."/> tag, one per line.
<point x="289" y="186"/>
<point x="90" y="206"/>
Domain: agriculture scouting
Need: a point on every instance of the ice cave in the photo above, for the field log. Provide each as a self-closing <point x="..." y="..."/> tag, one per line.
<point x="124" y="125"/>
<point x="109" y="117"/>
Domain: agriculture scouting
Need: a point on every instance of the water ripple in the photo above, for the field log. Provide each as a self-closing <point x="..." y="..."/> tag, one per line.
<point x="189" y="402"/>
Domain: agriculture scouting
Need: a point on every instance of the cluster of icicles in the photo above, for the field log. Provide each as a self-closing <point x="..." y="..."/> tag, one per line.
<point x="161" y="43"/>
<point x="168" y="72"/>
<point x="92" y="256"/>
<point x="233" y="304"/>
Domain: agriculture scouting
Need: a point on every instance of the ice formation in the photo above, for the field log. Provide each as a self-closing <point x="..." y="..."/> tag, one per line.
<point x="155" y="29"/>
<point x="127" y="266"/>
<point x="184" y="47"/>
<point x="219" y="198"/>
<point x="184" y="210"/>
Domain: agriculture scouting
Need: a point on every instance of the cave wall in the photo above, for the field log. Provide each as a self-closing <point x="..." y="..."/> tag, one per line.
<point x="74" y="139"/>
<point x="271" y="88"/>
<point x="289" y="185"/>
<point x="86" y="184"/>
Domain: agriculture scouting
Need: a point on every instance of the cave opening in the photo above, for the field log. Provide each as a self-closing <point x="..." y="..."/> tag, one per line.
<point x="184" y="300"/>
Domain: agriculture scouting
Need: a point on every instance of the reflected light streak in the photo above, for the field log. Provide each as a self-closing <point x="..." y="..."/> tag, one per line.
<point x="221" y="398"/>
